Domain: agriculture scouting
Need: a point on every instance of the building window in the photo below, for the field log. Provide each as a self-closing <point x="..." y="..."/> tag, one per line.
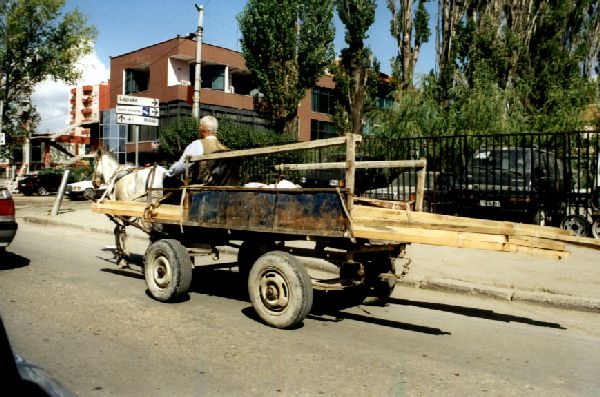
<point x="213" y="76"/>
<point x="321" y="130"/>
<point x="323" y="100"/>
<point x="147" y="134"/>
<point x="136" y="80"/>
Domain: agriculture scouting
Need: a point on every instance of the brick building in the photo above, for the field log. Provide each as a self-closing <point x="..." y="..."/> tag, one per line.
<point x="166" y="71"/>
<point x="86" y="104"/>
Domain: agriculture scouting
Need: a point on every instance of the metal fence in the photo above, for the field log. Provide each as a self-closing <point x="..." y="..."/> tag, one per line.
<point x="534" y="177"/>
<point x="546" y="178"/>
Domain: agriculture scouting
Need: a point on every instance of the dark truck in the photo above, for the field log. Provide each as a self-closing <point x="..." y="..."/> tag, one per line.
<point x="525" y="184"/>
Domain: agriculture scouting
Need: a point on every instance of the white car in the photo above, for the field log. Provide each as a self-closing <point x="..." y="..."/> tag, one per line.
<point x="84" y="189"/>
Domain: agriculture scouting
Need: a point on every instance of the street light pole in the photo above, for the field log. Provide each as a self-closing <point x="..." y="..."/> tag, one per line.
<point x="197" y="79"/>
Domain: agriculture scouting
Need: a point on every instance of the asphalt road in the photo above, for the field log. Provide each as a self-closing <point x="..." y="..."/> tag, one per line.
<point x="95" y="329"/>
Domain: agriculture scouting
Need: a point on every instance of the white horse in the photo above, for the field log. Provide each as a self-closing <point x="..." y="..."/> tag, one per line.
<point x="125" y="183"/>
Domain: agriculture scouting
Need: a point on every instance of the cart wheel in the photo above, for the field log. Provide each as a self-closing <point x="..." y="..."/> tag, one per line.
<point x="249" y="252"/>
<point x="378" y="290"/>
<point x="596" y="228"/>
<point x="168" y="270"/>
<point x="280" y="290"/>
<point x="89" y="194"/>
<point x="577" y="224"/>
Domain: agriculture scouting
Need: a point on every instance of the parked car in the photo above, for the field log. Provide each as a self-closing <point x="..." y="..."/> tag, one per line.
<point x="436" y="197"/>
<point x="8" y="224"/>
<point x="41" y="184"/>
<point x="84" y="190"/>
<point x="365" y="178"/>
<point x="524" y="184"/>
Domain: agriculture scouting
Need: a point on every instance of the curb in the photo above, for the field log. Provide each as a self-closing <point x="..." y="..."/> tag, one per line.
<point x="548" y="299"/>
<point x="51" y="222"/>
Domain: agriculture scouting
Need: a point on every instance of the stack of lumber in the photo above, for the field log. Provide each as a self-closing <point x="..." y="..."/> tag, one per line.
<point x="425" y="228"/>
<point x="137" y="209"/>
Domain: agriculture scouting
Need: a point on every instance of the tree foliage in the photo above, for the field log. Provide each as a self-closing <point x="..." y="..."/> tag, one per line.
<point x="234" y="135"/>
<point x="175" y="137"/>
<point x="410" y="30"/>
<point x="37" y="40"/>
<point x="356" y="64"/>
<point x="505" y="66"/>
<point x="287" y="44"/>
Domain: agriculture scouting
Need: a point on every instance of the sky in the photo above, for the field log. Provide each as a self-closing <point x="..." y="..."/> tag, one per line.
<point x="128" y="25"/>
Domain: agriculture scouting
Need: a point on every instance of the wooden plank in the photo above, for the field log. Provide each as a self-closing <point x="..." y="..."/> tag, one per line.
<point x="534" y="242"/>
<point x="508" y="228"/>
<point x="420" y="189"/>
<point x="458" y="240"/>
<point x="357" y="164"/>
<point x="582" y="241"/>
<point x="395" y="205"/>
<point x="440" y="238"/>
<point x="169" y="212"/>
<point x="412" y="234"/>
<point x="431" y="226"/>
<point x="350" y="170"/>
<point x="339" y="141"/>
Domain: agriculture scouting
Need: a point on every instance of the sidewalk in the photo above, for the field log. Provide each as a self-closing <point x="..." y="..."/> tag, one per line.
<point x="571" y="283"/>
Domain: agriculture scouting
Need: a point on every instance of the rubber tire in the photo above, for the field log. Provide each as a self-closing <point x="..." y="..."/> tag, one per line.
<point x="89" y="194"/>
<point x="570" y="221"/>
<point x="171" y="256"/>
<point x="42" y="191"/>
<point x="378" y="291"/>
<point x="280" y="266"/>
<point x="249" y="252"/>
<point x="596" y="228"/>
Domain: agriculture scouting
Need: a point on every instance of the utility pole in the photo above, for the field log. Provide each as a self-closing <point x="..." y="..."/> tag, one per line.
<point x="197" y="79"/>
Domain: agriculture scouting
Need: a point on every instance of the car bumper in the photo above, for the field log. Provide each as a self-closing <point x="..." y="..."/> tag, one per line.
<point x="8" y="229"/>
<point x="74" y="194"/>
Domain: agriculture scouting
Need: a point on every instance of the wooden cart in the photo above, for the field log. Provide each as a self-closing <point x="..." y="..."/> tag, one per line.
<point x="361" y="237"/>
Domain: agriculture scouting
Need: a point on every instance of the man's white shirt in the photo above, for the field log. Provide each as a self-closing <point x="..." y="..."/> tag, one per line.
<point x="193" y="149"/>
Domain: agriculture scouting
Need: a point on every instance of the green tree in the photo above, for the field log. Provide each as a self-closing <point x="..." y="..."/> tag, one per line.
<point x="286" y="44"/>
<point x="236" y="136"/>
<point x="355" y="66"/>
<point x="37" y="40"/>
<point x="410" y="30"/>
<point x="174" y="138"/>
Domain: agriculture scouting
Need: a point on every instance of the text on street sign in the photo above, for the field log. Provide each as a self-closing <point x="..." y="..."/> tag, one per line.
<point x="137" y="100"/>
<point x="148" y="111"/>
<point x="137" y="120"/>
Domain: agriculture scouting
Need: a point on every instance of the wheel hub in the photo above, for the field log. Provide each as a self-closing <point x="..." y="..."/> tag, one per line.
<point x="161" y="272"/>
<point x="274" y="291"/>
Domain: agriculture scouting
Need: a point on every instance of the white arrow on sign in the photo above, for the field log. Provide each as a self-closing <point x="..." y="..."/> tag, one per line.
<point x="138" y="110"/>
<point x="137" y="100"/>
<point x="137" y="120"/>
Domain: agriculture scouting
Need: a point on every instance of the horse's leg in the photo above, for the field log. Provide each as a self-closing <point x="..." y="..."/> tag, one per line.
<point x="122" y="255"/>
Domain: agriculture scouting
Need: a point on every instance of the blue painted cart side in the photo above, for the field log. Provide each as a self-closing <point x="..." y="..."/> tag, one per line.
<point x="281" y="211"/>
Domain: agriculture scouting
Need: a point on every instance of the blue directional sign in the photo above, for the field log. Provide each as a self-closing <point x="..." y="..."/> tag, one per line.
<point x="147" y="111"/>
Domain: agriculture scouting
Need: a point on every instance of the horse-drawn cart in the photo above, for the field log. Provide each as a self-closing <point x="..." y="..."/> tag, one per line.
<point x="361" y="240"/>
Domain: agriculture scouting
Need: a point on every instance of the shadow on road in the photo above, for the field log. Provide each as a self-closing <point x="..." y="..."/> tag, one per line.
<point x="9" y="260"/>
<point x="225" y="283"/>
<point x="327" y="306"/>
<point x="131" y="273"/>
<point x="475" y="312"/>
